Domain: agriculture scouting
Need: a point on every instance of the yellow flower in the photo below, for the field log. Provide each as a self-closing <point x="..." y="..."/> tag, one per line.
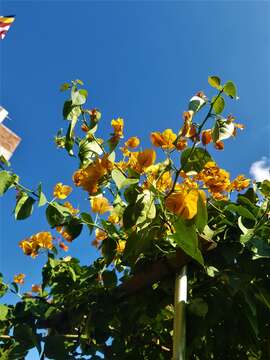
<point x="61" y="191"/>
<point x="215" y="179"/>
<point x="133" y="142"/>
<point x="100" y="204"/>
<point x="146" y="158"/>
<point x="114" y="218"/>
<point x="120" y="247"/>
<point x="89" y="177"/>
<point x="164" y="140"/>
<point x="240" y="183"/>
<point x="65" y="234"/>
<point x="183" y="203"/>
<point x="29" y="248"/>
<point x="36" y="288"/>
<point x="43" y="239"/>
<point x="164" y="183"/>
<point x="118" y="126"/>
<point x="73" y="211"/>
<point x="19" y="279"/>
<point x="100" y="236"/>
<point x="169" y="137"/>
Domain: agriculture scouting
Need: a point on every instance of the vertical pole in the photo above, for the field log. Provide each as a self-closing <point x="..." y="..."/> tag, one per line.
<point x="179" y="321"/>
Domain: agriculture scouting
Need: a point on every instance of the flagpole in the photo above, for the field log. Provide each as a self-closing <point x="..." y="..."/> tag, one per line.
<point x="179" y="321"/>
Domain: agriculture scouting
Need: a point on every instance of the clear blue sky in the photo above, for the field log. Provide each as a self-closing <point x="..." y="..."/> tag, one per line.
<point x="141" y="61"/>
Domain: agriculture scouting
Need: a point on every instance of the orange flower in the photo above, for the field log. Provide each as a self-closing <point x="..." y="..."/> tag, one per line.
<point x="31" y="245"/>
<point x="183" y="203"/>
<point x="164" y="140"/>
<point x="100" y="236"/>
<point x="73" y="211"/>
<point x="100" y="204"/>
<point x="19" y="279"/>
<point x="89" y="177"/>
<point x="146" y="158"/>
<point x="84" y="127"/>
<point x="181" y="144"/>
<point x="61" y="191"/>
<point x="188" y="115"/>
<point x="133" y="142"/>
<point x="157" y="139"/>
<point x="206" y="136"/>
<point x="65" y="234"/>
<point x="240" y="183"/>
<point x="63" y="246"/>
<point x="188" y="130"/>
<point x="43" y="239"/>
<point x="29" y="248"/>
<point x="120" y="247"/>
<point x="36" y="288"/>
<point x="114" y="218"/>
<point x="219" y="145"/>
<point x="164" y="182"/>
<point x="118" y="126"/>
<point x="215" y="179"/>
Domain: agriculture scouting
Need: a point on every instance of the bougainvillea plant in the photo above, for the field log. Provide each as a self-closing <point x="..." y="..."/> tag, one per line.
<point x="151" y="211"/>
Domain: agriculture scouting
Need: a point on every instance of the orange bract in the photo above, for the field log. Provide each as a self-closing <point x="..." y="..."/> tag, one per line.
<point x="133" y="142"/>
<point x="183" y="203"/>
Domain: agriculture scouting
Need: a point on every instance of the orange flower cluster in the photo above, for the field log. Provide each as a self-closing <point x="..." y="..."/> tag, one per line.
<point x="215" y="179"/>
<point x="69" y="206"/>
<point x="240" y="183"/>
<point x="139" y="161"/>
<point x="162" y="182"/>
<point x="89" y="177"/>
<point x="41" y="240"/>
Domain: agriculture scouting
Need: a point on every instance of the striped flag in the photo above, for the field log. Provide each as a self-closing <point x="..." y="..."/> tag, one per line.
<point x="5" y="23"/>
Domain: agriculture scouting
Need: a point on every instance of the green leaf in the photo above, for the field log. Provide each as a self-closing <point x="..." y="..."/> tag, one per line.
<point x="73" y="228"/>
<point x="42" y="198"/>
<point x="215" y="82"/>
<point x="24" y="207"/>
<point x="247" y="233"/>
<point x="186" y="238"/>
<point x="24" y="334"/>
<point x="67" y="108"/>
<point x="218" y="104"/>
<point x="121" y="181"/>
<point x="240" y="210"/>
<point x="230" y="89"/>
<point x="88" y="151"/>
<point x="57" y="214"/>
<point x="87" y="219"/>
<point x="148" y="211"/>
<point x="55" y="347"/>
<point x="194" y="160"/>
<point x="79" y="97"/>
<point x="3" y="312"/>
<point x="201" y="216"/>
<point x="6" y="181"/>
<point x="198" y="307"/>
<point x="196" y="103"/>
<point x="109" y="278"/>
<point x="222" y="130"/>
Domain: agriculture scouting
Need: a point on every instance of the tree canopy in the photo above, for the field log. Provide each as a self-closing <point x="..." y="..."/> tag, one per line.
<point x="151" y="211"/>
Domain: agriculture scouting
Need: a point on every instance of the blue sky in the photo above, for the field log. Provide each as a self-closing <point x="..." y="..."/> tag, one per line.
<point x="139" y="60"/>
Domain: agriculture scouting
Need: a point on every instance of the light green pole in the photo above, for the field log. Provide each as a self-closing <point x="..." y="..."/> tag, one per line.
<point x="179" y="322"/>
